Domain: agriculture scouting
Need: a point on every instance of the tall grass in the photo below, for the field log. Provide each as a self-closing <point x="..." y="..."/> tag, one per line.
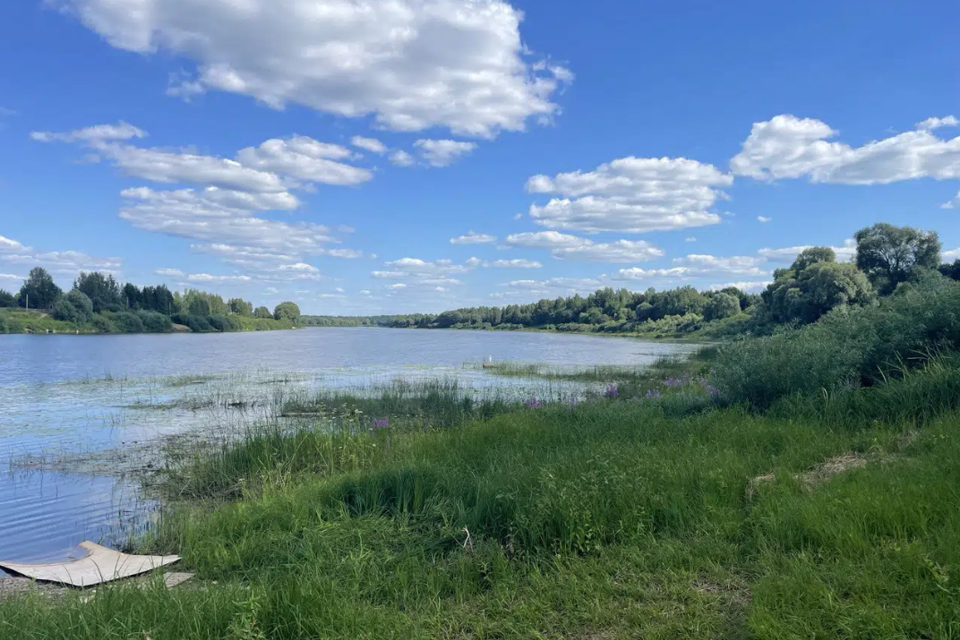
<point x="848" y="347"/>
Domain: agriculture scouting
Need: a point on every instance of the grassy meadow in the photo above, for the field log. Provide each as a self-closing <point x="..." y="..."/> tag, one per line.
<point x="803" y="485"/>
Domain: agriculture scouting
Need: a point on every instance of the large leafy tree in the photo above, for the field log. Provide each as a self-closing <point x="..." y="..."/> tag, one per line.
<point x="722" y="305"/>
<point x="813" y="285"/>
<point x="240" y="306"/>
<point x="7" y="299"/>
<point x="287" y="311"/>
<point x="39" y="291"/>
<point x="75" y="306"/>
<point x="890" y="255"/>
<point x="262" y="313"/>
<point x="102" y="290"/>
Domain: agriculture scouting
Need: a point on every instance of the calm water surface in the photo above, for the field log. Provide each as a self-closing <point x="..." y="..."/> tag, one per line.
<point x="73" y="409"/>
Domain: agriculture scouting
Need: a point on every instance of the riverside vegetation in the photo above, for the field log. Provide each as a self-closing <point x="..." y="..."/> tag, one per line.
<point x="813" y="285"/>
<point x="804" y="484"/>
<point x="98" y="304"/>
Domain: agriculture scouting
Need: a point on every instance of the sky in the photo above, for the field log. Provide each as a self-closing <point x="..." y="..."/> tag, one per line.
<point x="396" y="156"/>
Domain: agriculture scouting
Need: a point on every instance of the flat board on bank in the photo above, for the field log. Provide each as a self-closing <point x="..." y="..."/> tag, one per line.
<point x="98" y="566"/>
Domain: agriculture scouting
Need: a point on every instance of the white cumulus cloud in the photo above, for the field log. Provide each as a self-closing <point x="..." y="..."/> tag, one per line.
<point x="568" y="247"/>
<point x="368" y="144"/>
<point x="516" y="263"/>
<point x="402" y="159"/>
<point x="305" y="159"/>
<point x="790" y="147"/>
<point x="472" y="237"/>
<point x="631" y="195"/>
<point x="442" y="153"/>
<point x="412" y="64"/>
<point x="94" y="135"/>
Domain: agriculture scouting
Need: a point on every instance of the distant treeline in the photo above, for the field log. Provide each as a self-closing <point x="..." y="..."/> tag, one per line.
<point x="97" y="303"/>
<point x="813" y="285"/>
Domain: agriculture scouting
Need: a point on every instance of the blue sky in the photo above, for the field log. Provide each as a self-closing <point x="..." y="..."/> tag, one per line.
<point x="419" y="155"/>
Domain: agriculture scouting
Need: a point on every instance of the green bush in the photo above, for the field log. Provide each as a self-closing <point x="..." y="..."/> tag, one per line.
<point x="63" y="310"/>
<point x="224" y="323"/>
<point x="154" y="322"/>
<point x="75" y="307"/>
<point x="128" y="322"/>
<point x="103" y="324"/>
<point x="847" y="347"/>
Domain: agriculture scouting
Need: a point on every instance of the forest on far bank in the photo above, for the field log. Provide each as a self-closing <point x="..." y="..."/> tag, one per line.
<point x="816" y="283"/>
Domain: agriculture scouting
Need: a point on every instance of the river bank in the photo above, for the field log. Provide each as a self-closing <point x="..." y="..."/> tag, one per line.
<point x="13" y="321"/>
<point x="660" y="513"/>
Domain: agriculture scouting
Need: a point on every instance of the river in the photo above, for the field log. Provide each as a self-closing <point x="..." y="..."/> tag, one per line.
<point x="77" y="412"/>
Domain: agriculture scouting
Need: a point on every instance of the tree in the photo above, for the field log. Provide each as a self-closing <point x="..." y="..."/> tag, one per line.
<point x="75" y="306"/>
<point x="262" y="313"/>
<point x="102" y="290"/>
<point x="39" y="291"/>
<point x="240" y="307"/>
<point x="679" y="302"/>
<point x="889" y="255"/>
<point x="813" y="255"/>
<point x="198" y="306"/>
<point x="7" y="299"/>
<point x="158" y="299"/>
<point x="287" y="311"/>
<point x="827" y="285"/>
<point x="132" y="296"/>
<point x="722" y="305"/>
<point x="952" y="271"/>
<point x="813" y="285"/>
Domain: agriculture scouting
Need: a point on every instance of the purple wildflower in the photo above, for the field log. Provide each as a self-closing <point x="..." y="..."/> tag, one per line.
<point x="533" y="403"/>
<point x="654" y="394"/>
<point x="712" y="390"/>
<point x="612" y="391"/>
<point x="381" y="423"/>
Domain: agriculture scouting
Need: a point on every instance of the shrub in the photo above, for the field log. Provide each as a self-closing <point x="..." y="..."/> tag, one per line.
<point x="223" y="323"/>
<point x="848" y="346"/>
<point x="287" y="311"/>
<point x="63" y="310"/>
<point x="154" y="322"/>
<point x="75" y="307"/>
<point x="103" y="324"/>
<point x="127" y="322"/>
